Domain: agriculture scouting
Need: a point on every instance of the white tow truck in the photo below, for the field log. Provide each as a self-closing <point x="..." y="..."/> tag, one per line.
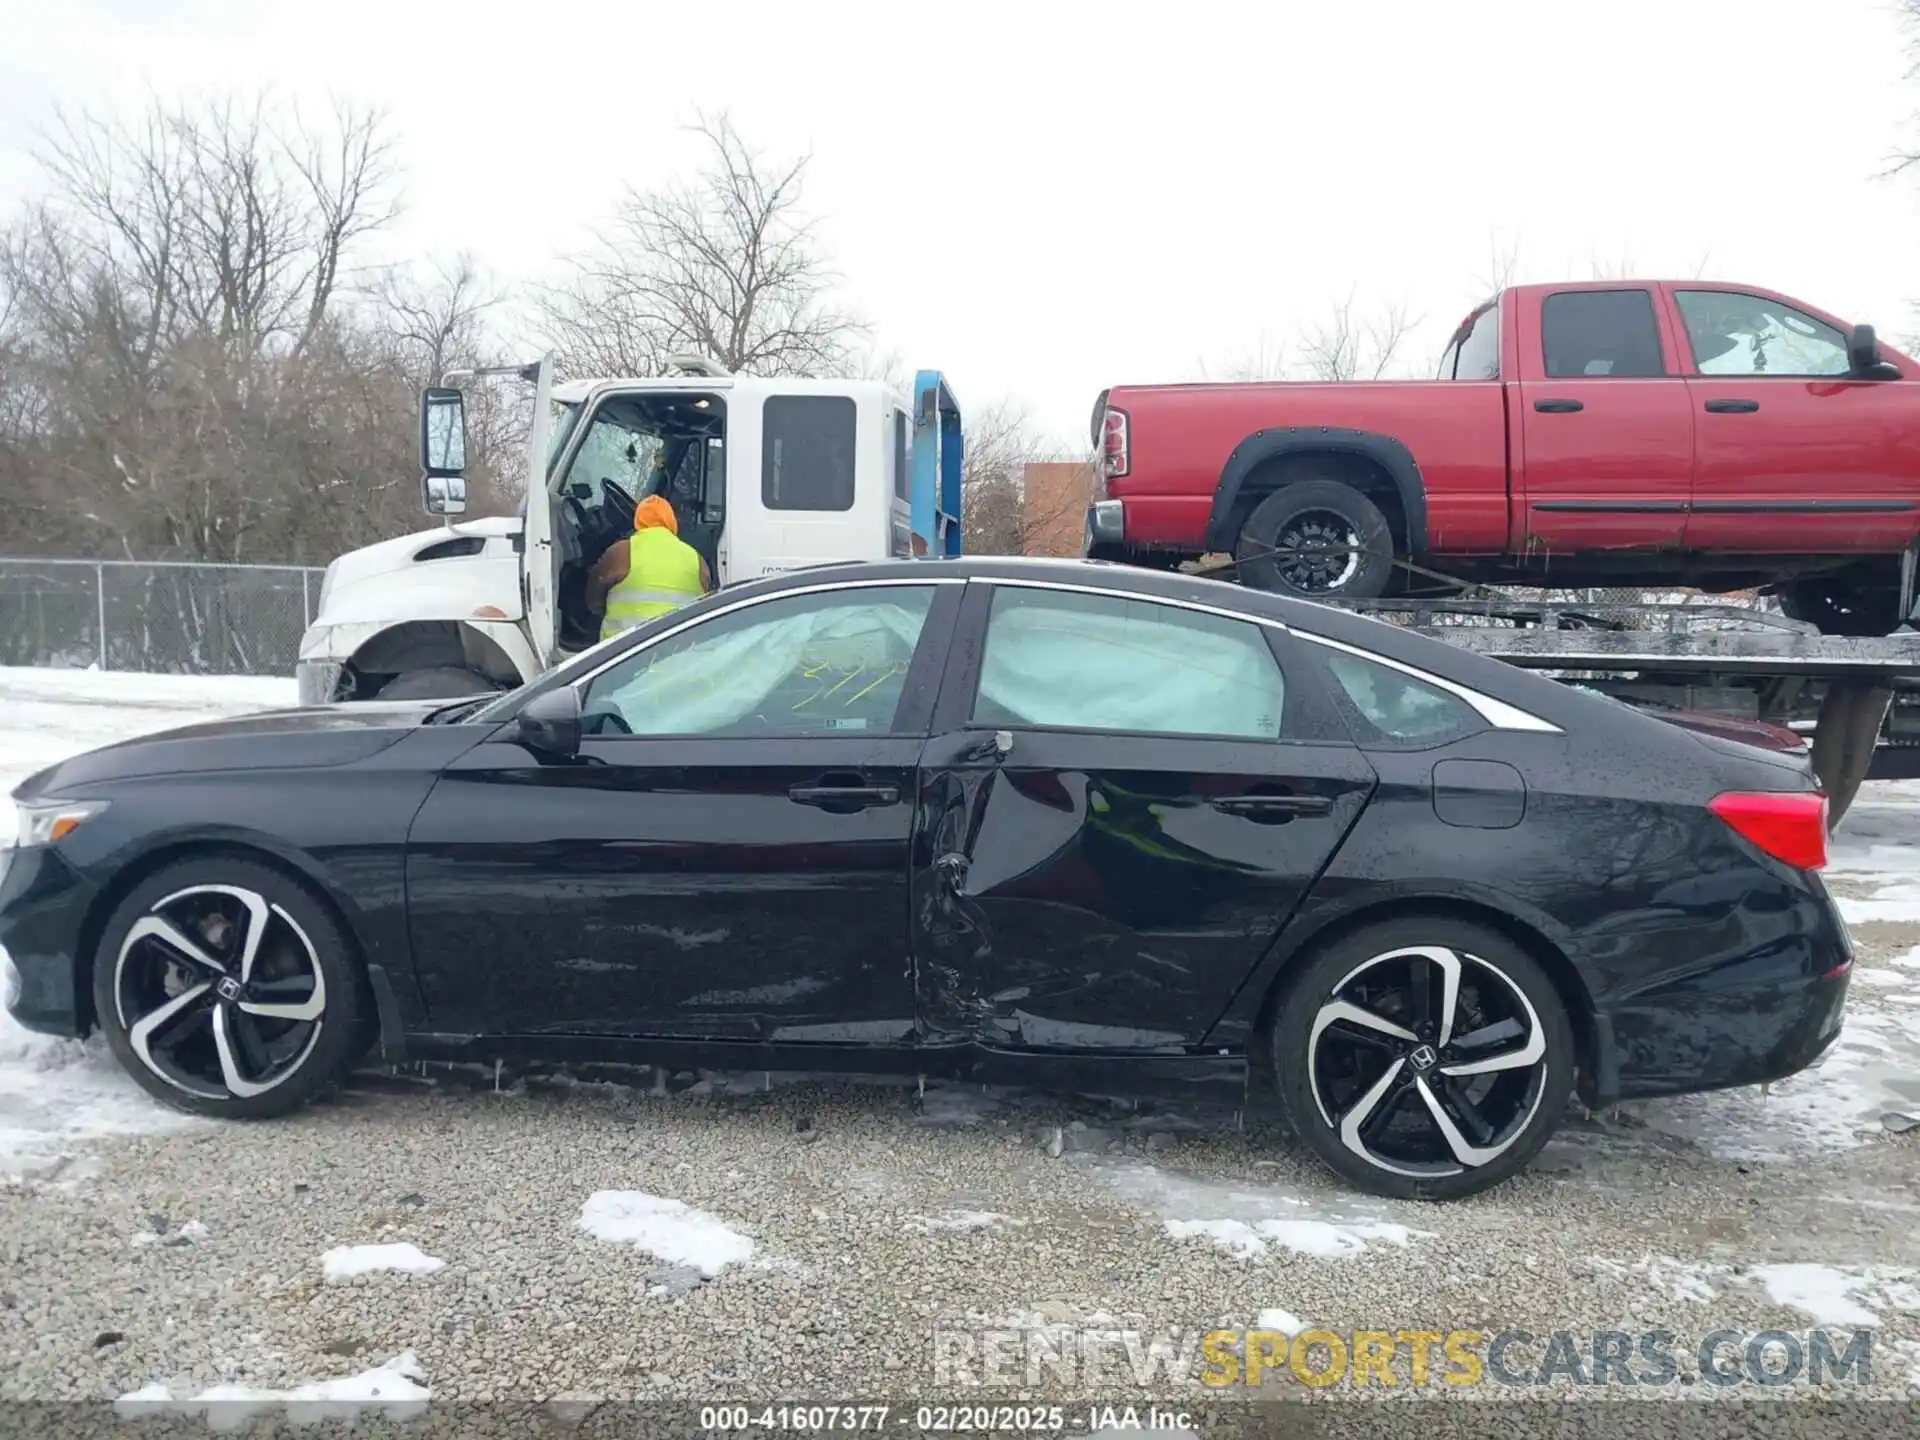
<point x="764" y="475"/>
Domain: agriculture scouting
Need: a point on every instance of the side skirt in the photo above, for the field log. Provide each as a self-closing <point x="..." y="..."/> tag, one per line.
<point x="1217" y="1079"/>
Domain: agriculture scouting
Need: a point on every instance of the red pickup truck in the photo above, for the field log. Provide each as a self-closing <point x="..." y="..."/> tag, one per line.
<point x="1605" y="433"/>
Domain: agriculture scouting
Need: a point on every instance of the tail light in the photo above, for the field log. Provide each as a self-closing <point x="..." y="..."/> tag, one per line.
<point x="1115" y="455"/>
<point x="1791" y="827"/>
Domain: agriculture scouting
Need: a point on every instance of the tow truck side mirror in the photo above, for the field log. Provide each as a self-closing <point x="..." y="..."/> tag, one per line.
<point x="443" y="451"/>
<point x="1863" y="356"/>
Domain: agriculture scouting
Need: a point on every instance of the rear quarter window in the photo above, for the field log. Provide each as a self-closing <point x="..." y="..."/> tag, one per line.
<point x="1386" y="706"/>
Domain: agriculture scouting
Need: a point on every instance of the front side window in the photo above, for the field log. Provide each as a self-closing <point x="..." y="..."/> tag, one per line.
<point x="807" y="450"/>
<point x="1100" y="662"/>
<point x="830" y="663"/>
<point x="1600" y="334"/>
<point x="1738" y="334"/>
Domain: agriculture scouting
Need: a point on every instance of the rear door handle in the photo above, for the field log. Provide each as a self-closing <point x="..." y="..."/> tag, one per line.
<point x="844" y="799"/>
<point x="1732" y="407"/>
<point x="1275" y="809"/>
<point x="1557" y="407"/>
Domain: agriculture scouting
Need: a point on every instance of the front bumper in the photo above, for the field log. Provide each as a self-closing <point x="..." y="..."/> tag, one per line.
<point x="318" y="681"/>
<point x="44" y="905"/>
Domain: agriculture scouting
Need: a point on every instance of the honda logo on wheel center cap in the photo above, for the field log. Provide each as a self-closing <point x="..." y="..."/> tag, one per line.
<point x="228" y="988"/>
<point x="1423" y="1059"/>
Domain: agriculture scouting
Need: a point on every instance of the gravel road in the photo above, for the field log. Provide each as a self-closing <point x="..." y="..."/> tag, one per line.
<point x="849" y="1222"/>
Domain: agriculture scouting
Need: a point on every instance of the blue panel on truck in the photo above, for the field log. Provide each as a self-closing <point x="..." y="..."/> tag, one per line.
<point x="937" y="455"/>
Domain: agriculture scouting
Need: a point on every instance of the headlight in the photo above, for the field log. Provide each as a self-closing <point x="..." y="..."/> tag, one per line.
<point x="45" y="822"/>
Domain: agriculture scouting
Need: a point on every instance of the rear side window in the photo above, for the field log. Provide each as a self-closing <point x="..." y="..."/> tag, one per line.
<point x="1480" y="348"/>
<point x="806" y="452"/>
<point x="1393" y="707"/>
<point x="1600" y="334"/>
<point x="1102" y="662"/>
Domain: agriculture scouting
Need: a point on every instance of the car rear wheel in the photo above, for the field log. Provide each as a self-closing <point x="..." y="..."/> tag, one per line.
<point x="1317" y="539"/>
<point x="1426" y="1058"/>
<point x="227" y="989"/>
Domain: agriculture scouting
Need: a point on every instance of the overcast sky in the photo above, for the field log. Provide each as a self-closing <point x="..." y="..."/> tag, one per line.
<point x="1046" y="198"/>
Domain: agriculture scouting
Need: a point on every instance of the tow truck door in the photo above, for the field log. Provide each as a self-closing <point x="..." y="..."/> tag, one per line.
<point x="539" y="562"/>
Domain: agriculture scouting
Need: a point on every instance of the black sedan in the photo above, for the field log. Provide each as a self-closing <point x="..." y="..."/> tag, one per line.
<point x="1041" y="822"/>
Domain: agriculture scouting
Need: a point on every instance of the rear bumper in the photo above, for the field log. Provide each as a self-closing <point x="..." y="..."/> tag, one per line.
<point x="1760" y="1019"/>
<point x="43" y="908"/>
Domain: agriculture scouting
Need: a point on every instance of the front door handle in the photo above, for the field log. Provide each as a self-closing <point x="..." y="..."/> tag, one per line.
<point x="1273" y="809"/>
<point x="1557" y="407"/>
<point x="843" y="795"/>
<point x="1732" y="407"/>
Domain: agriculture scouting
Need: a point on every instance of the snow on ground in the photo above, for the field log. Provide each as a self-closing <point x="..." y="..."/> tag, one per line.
<point x="669" y="1230"/>
<point x="343" y="1262"/>
<point x="394" y="1391"/>
<point x="1836" y="1295"/>
<point x="56" y="1094"/>
<point x="1249" y="1222"/>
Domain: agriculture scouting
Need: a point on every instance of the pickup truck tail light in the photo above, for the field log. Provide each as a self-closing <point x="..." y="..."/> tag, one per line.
<point x="1115" y="455"/>
<point x="1791" y="826"/>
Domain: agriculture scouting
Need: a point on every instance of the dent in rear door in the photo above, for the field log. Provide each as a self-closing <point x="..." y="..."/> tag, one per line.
<point x="1080" y="888"/>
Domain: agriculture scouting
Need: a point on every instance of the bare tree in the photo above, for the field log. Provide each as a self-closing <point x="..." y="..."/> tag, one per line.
<point x="1000" y="439"/>
<point x="182" y="375"/>
<point x="1344" y="346"/>
<point x="726" y="264"/>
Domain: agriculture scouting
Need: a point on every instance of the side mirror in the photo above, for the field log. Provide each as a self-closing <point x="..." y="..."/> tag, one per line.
<point x="443" y="451"/>
<point x="550" y="723"/>
<point x="1863" y="356"/>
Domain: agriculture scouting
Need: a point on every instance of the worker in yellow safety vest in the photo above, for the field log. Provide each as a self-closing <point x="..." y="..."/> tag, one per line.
<point x="649" y="573"/>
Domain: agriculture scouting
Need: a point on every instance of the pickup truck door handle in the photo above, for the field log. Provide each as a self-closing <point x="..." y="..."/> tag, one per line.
<point x="1732" y="407"/>
<point x="1273" y="807"/>
<point x="843" y="794"/>
<point x="1557" y="407"/>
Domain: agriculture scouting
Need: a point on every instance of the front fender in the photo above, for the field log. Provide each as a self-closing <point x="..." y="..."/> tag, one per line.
<point x="1264" y="446"/>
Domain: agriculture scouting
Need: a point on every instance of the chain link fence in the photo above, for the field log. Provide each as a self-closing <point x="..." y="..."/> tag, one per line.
<point x="173" y="618"/>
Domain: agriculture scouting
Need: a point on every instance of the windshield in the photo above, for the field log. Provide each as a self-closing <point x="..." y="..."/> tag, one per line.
<point x="560" y="422"/>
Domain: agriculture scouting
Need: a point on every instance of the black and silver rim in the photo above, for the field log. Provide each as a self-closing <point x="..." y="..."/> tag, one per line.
<point x="220" y="992"/>
<point x="1317" y="551"/>
<point x="1427" y="1061"/>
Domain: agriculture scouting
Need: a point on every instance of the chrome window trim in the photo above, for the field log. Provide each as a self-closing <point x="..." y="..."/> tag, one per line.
<point x="1201" y="606"/>
<point x="748" y="603"/>
<point x="1497" y="713"/>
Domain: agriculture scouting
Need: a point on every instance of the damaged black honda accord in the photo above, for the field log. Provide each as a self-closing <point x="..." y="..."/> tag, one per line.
<point x="1059" y="823"/>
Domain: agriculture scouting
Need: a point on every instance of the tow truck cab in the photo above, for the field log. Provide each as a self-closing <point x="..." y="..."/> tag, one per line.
<point x="764" y="475"/>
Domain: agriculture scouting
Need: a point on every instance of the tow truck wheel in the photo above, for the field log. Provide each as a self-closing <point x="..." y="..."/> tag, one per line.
<point x="1319" y="540"/>
<point x="438" y="682"/>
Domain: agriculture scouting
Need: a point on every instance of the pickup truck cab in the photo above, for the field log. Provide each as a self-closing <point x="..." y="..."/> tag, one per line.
<point x="1607" y="433"/>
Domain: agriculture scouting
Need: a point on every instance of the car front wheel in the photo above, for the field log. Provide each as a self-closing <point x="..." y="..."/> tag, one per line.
<point x="227" y="989"/>
<point x="1423" y="1058"/>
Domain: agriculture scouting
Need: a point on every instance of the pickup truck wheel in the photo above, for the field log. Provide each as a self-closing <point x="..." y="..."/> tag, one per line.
<point x="1318" y="539"/>
<point x="438" y="682"/>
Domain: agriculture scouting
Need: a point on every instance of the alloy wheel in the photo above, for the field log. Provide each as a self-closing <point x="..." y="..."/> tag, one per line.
<point x="220" y="992"/>
<point x="1317" y="552"/>
<point x="1427" y="1061"/>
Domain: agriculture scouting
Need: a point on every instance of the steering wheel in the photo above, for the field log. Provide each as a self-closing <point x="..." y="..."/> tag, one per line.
<point x="610" y="722"/>
<point x="619" y="503"/>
